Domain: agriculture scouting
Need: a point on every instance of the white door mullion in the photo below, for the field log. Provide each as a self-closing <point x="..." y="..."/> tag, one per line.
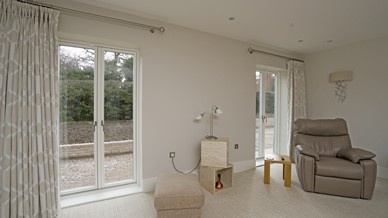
<point x="96" y="126"/>
<point x="276" y="148"/>
<point x="136" y="117"/>
<point x="100" y="117"/>
<point x="263" y="82"/>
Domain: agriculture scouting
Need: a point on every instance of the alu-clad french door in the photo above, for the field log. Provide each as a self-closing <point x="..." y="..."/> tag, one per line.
<point x="97" y="111"/>
<point x="266" y="113"/>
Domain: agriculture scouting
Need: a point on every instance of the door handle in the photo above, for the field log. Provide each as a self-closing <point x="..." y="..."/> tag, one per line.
<point x="102" y="125"/>
<point x="95" y="124"/>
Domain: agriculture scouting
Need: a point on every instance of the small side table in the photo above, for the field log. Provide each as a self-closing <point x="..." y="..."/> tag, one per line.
<point x="208" y="177"/>
<point x="280" y="159"/>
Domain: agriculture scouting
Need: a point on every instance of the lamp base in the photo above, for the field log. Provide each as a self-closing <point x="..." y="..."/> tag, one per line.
<point x="211" y="137"/>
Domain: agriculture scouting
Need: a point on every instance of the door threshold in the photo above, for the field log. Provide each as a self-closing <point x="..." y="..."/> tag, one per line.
<point x="259" y="162"/>
<point x="98" y="195"/>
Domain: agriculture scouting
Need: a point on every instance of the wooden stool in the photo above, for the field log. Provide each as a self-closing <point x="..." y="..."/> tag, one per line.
<point x="280" y="159"/>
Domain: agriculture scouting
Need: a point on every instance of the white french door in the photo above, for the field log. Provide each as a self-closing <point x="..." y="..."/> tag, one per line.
<point x="97" y="89"/>
<point x="266" y="113"/>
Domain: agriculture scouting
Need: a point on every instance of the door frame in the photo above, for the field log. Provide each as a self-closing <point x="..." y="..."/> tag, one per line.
<point x="99" y="157"/>
<point x="276" y="112"/>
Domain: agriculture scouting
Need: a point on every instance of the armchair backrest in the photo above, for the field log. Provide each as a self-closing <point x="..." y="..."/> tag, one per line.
<point x="326" y="136"/>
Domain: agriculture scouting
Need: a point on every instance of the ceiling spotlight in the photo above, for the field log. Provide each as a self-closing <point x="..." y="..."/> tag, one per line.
<point x="162" y="29"/>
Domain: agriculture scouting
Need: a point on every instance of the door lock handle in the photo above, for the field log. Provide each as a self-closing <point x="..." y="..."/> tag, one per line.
<point x="95" y="124"/>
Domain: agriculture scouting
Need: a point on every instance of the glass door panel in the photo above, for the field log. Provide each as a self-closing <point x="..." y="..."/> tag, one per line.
<point x="259" y="126"/>
<point x="118" y="117"/>
<point x="265" y="113"/>
<point x="76" y="130"/>
<point x="269" y="115"/>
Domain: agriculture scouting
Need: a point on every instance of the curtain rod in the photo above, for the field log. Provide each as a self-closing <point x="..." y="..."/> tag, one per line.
<point x="152" y="29"/>
<point x="251" y="50"/>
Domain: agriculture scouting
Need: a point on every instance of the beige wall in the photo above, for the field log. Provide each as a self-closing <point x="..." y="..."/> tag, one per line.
<point x="366" y="106"/>
<point x="183" y="73"/>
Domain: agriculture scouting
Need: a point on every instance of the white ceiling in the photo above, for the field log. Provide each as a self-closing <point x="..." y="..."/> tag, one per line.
<point x="272" y="23"/>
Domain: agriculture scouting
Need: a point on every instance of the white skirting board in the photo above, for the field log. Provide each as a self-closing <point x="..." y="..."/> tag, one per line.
<point x="382" y="172"/>
<point x="148" y="185"/>
<point x="244" y="165"/>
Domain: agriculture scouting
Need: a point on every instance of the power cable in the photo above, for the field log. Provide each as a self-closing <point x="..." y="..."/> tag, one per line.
<point x="173" y="164"/>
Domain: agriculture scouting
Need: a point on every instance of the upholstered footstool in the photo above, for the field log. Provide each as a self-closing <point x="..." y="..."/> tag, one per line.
<point x="178" y="195"/>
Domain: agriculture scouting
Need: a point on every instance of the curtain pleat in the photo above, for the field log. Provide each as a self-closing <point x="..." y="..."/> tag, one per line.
<point x="28" y="110"/>
<point x="296" y="99"/>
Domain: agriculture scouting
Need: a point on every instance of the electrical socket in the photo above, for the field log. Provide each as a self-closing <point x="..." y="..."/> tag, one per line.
<point x="172" y="154"/>
<point x="235" y="146"/>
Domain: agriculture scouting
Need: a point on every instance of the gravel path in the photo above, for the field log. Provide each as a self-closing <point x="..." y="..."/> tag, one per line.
<point x="80" y="172"/>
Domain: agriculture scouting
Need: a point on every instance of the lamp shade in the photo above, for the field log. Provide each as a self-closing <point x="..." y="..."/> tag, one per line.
<point x="218" y="111"/>
<point x="214" y="111"/>
<point x="341" y="76"/>
<point x="199" y="117"/>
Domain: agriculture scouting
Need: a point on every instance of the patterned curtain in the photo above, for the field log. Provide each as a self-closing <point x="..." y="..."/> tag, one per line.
<point x="296" y="98"/>
<point x="28" y="110"/>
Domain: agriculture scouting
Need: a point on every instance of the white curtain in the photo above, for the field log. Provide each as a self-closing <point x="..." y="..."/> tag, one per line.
<point x="28" y="110"/>
<point x="296" y="98"/>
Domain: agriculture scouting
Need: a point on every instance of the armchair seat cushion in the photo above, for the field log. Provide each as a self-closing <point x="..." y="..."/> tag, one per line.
<point x="338" y="167"/>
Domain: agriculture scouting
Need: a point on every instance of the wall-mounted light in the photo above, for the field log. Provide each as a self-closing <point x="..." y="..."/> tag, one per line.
<point x="214" y="111"/>
<point x="339" y="78"/>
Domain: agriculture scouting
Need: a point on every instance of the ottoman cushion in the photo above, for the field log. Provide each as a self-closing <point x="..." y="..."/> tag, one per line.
<point x="178" y="191"/>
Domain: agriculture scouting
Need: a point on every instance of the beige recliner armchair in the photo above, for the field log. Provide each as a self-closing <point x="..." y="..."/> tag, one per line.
<point x="326" y="162"/>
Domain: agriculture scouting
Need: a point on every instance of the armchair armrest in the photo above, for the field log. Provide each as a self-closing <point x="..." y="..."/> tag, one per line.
<point x="305" y="168"/>
<point x="306" y="150"/>
<point x="355" y="154"/>
<point x="369" y="181"/>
